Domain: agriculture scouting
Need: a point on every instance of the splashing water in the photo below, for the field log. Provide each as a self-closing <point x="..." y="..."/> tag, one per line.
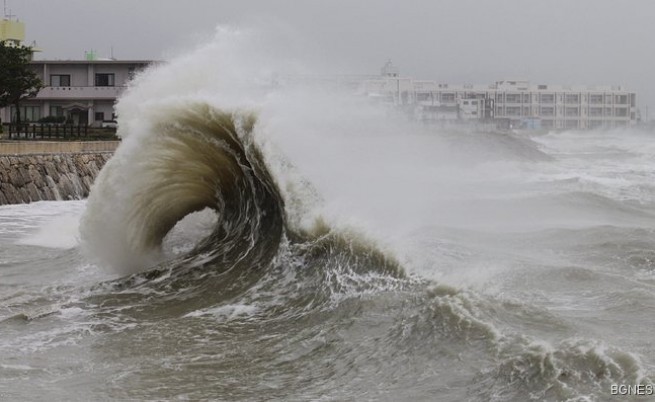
<point x="253" y="241"/>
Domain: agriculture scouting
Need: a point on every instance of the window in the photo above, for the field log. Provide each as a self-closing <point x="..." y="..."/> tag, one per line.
<point x="513" y="98"/>
<point x="572" y="111"/>
<point x="27" y="113"/>
<point x="104" y="80"/>
<point x="57" y="111"/>
<point x="622" y="99"/>
<point x="513" y="110"/>
<point x="595" y="99"/>
<point x="596" y="111"/>
<point x="100" y="116"/>
<point x="572" y="98"/>
<point x="448" y="97"/>
<point x="466" y="102"/>
<point x="60" y="80"/>
<point x="571" y="124"/>
<point x="547" y="111"/>
<point x="422" y="96"/>
<point x="621" y="112"/>
<point x="32" y="113"/>
<point x="547" y="98"/>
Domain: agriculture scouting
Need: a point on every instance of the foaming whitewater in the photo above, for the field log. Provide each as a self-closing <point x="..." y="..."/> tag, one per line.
<point x="255" y="237"/>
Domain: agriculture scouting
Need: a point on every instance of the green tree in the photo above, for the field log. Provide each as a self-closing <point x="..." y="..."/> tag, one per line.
<point x="17" y="81"/>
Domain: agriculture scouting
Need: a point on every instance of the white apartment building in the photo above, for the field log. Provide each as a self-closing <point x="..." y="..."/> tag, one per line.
<point x="522" y="104"/>
<point x="510" y="104"/>
<point x="82" y="91"/>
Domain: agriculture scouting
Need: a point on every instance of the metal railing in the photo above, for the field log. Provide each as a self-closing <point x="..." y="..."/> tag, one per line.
<point x="41" y="131"/>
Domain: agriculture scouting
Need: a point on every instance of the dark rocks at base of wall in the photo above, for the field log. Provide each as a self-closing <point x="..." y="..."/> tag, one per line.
<point x="48" y="177"/>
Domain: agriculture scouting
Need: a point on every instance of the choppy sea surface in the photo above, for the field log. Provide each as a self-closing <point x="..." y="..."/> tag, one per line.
<point x="539" y="285"/>
<point x="253" y="239"/>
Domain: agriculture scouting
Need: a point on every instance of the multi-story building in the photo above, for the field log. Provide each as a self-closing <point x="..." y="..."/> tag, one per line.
<point x="565" y="107"/>
<point x="81" y="91"/>
<point x="507" y="103"/>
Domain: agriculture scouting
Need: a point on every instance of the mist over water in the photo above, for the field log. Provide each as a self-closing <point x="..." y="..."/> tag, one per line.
<point x="254" y="238"/>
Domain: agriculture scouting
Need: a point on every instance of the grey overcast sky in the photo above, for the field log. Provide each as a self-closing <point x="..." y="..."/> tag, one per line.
<point x="590" y="42"/>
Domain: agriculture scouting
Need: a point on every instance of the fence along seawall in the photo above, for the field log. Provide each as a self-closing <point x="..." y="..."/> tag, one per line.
<point x="32" y="172"/>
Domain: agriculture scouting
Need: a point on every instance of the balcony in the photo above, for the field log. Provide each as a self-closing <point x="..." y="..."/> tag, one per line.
<point x="89" y="93"/>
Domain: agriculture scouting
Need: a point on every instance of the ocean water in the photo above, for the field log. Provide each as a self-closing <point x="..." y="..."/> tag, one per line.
<point x="255" y="242"/>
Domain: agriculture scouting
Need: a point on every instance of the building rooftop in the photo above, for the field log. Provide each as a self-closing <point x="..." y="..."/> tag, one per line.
<point x="107" y="61"/>
<point x="526" y="86"/>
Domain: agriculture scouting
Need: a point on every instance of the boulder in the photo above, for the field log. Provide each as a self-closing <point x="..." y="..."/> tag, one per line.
<point x="33" y="192"/>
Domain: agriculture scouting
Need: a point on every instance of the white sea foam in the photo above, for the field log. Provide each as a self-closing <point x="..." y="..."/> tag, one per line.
<point x="60" y="232"/>
<point x="512" y="236"/>
<point x="227" y="312"/>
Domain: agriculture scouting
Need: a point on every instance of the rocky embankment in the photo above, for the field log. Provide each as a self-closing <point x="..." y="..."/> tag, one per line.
<point x="40" y="177"/>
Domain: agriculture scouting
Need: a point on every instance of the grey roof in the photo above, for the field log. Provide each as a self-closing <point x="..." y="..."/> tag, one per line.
<point x="94" y="61"/>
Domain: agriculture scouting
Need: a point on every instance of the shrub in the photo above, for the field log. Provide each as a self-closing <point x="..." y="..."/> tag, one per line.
<point x="52" y="119"/>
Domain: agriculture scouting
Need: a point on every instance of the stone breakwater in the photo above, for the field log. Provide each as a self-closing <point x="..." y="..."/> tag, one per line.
<point x="47" y="177"/>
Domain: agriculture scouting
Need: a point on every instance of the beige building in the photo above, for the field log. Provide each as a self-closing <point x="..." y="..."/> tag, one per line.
<point x="12" y="32"/>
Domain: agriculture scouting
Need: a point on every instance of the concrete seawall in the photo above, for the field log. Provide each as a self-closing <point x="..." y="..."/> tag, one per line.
<point x="47" y="171"/>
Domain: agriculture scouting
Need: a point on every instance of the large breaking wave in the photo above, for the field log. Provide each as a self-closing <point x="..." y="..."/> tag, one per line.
<point x="197" y="137"/>
<point x="194" y="139"/>
<point x="199" y="158"/>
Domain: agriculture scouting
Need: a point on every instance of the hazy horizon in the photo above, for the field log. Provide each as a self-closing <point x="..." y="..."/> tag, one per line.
<point x="557" y="42"/>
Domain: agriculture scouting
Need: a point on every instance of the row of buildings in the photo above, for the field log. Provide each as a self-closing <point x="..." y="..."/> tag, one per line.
<point x="84" y="92"/>
<point x="509" y="104"/>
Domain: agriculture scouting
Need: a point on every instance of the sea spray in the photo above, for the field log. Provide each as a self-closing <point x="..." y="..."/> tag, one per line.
<point x="412" y="263"/>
